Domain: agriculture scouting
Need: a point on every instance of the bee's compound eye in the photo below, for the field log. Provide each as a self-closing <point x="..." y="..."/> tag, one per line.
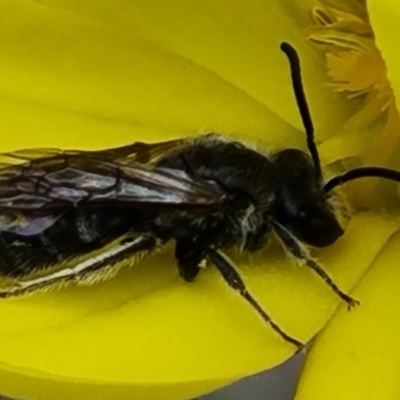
<point x="318" y="231"/>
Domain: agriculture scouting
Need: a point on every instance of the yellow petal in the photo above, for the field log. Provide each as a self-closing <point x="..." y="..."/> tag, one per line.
<point x="384" y="15"/>
<point x="356" y="356"/>
<point x="94" y="74"/>
<point x="145" y="334"/>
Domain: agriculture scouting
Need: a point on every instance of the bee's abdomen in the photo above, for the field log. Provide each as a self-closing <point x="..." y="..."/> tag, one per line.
<point x="72" y="235"/>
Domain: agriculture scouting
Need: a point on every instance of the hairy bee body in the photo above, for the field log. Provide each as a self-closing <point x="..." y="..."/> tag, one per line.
<point x="73" y="235"/>
<point x="77" y="216"/>
<point x="226" y="164"/>
<point x="247" y="181"/>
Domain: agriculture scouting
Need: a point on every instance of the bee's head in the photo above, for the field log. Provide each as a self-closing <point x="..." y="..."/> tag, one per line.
<point x="301" y="203"/>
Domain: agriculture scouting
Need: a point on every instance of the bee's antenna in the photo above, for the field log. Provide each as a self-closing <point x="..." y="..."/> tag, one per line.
<point x="362" y="172"/>
<point x="294" y="62"/>
<point x="356" y="173"/>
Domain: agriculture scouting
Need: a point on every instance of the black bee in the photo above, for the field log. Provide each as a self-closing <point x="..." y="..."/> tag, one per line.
<point x="78" y="216"/>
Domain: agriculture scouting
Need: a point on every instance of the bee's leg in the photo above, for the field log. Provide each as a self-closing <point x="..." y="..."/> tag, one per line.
<point x="90" y="269"/>
<point x="300" y="253"/>
<point x="233" y="279"/>
<point x="189" y="260"/>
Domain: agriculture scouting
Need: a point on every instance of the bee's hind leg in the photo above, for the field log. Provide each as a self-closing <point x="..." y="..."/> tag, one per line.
<point x="90" y="270"/>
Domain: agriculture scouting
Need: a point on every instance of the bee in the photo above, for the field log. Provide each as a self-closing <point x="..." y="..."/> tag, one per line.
<point x="92" y="211"/>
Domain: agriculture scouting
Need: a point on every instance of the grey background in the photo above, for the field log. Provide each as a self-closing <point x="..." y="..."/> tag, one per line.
<point x="276" y="384"/>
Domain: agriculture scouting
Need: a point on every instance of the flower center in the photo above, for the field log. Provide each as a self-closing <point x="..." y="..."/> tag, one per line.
<point x="370" y="136"/>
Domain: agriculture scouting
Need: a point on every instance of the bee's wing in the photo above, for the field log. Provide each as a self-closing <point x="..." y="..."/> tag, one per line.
<point x="51" y="181"/>
<point x="138" y="152"/>
<point x="89" y="182"/>
<point x="27" y="225"/>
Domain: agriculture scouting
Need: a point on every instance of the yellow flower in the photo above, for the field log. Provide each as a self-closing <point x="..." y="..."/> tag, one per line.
<point x="94" y="74"/>
<point x="356" y="356"/>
